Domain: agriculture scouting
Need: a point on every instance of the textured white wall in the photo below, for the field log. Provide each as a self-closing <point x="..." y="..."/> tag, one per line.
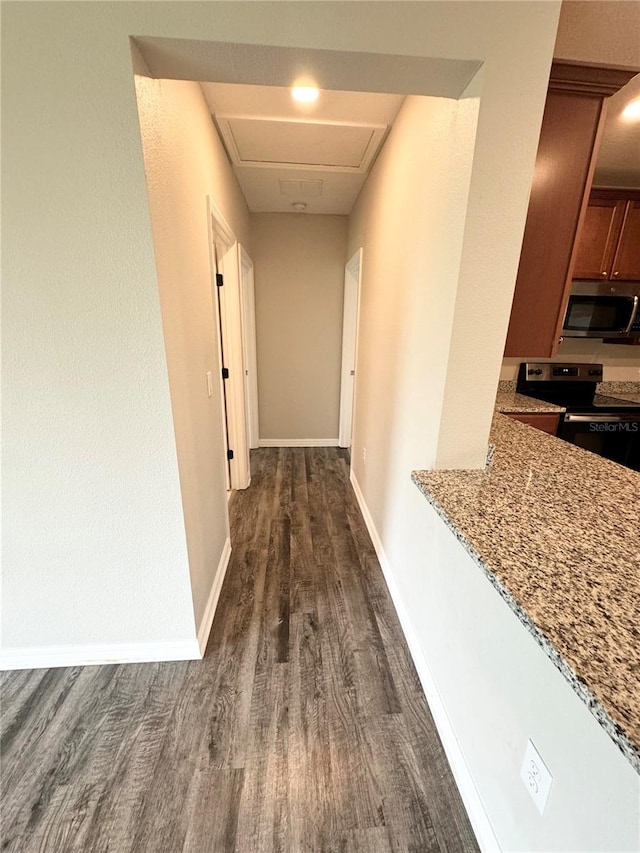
<point x="185" y="161"/>
<point x="95" y="540"/>
<point x="409" y="220"/>
<point x="299" y="280"/>
<point x="94" y="546"/>
<point x="500" y="689"/>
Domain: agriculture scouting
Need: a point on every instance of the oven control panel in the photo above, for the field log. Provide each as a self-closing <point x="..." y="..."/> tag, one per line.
<point x="545" y="371"/>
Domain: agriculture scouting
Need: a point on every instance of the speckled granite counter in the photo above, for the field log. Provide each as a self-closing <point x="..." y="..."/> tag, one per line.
<point x="628" y="391"/>
<point x="605" y="402"/>
<point x="556" y="530"/>
<point x="509" y="401"/>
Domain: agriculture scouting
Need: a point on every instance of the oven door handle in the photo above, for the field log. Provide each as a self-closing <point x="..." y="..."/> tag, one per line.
<point x="634" y="311"/>
<point x="600" y="419"/>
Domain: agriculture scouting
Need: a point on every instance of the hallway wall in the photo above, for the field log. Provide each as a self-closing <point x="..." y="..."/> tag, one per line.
<point x="299" y="280"/>
<point x="94" y="538"/>
<point x="409" y="219"/>
<point x="184" y="161"/>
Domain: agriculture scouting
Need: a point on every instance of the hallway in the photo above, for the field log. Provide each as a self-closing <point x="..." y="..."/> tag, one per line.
<point x="304" y="729"/>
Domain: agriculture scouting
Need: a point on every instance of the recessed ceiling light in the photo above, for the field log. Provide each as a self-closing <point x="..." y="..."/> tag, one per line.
<point x="306" y="94"/>
<point x="632" y="110"/>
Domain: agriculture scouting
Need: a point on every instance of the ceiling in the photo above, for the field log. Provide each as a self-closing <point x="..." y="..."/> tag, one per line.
<point x="618" y="162"/>
<point x="284" y="152"/>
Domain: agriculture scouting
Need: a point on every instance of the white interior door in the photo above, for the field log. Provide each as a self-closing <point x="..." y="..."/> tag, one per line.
<point x="227" y="300"/>
<point x="219" y="310"/>
<point x="352" y="276"/>
<point x="250" y="350"/>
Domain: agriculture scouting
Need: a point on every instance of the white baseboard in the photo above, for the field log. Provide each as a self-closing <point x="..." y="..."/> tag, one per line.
<point x="478" y="817"/>
<point x="46" y="657"/>
<point x="212" y="602"/>
<point x="298" y="442"/>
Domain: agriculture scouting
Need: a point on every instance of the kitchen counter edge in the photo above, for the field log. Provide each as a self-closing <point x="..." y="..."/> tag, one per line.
<point x="629" y="748"/>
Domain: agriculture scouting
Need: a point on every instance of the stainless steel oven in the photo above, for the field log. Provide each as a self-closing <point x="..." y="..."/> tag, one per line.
<point x="602" y="310"/>
<point x="604" y="425"/>
<point x="614" y="436"/>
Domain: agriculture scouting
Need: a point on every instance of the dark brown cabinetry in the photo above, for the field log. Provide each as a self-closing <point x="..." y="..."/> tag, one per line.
<point x="569" y="141"/>
<point x="609" y="240"/>
<point x="544" y="421"/>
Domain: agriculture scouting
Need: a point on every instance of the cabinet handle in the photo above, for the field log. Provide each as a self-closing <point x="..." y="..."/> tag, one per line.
<point x="617" y="272"/>
<point x="604" y="273"/>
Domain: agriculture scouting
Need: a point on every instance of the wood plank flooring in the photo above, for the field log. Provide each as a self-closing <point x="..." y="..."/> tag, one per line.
<point x="304" y="728"/>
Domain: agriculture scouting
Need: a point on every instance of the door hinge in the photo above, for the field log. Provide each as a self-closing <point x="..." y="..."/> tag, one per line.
<point x="229" y="455"/>
<point x="225" y="372"/>
<point x="219" y="279"/>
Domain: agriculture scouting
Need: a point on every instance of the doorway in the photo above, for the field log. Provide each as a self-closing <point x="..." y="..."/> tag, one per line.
<point x="350" y="320"/>
<point x="249" y="348"/>
<point x="231" y="337"/>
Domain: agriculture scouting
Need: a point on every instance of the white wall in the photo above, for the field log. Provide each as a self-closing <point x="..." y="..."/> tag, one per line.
<point x="500" y="689"/>
<point x="432" y="312"/>
<point x="185" y="161"/>
<point x="299" y="264"/>
<point x="409" y="219"/>
<point x="95" y="540"/>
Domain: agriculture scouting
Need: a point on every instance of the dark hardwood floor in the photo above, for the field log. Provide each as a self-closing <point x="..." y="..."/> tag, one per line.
<point x="304" y="728"/>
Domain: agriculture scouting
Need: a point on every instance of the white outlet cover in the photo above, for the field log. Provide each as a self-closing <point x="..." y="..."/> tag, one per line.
<point x="209" y="384"/>
<point x="536" y="777"/>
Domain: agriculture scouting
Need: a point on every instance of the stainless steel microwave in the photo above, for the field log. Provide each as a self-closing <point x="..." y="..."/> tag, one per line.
<point x="603" y="310"/>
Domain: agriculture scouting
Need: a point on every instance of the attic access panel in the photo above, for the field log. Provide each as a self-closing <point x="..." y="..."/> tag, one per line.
<point x="272" y="142"/>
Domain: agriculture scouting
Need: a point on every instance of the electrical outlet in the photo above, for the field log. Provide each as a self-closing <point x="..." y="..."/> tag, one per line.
<point x="536" y="777"/>
<point x="209" y="384"/>
<point x="364" y="455"/>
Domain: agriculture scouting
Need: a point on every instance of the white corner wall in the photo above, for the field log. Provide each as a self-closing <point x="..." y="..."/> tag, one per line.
<point x="95" y="544"/>
<point x="432" y="329"/>
<point x="95" y="560"/>
<point x="491" y="688"/>
<point x="185" y="161"/>
<point x="299" y="282"/>
<point x="409" y="220"/>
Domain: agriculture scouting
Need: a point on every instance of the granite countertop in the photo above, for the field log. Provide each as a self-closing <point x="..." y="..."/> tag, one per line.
<point x="507" y="400"/>
<point x="620" y="391"/>
<point x="604" y="401"/>
<point x="555" y="529"/>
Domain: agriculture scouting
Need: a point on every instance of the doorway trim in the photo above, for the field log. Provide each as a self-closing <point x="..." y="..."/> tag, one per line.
<point x="250" y="348"/>
<point x="350" y="328"/>
<point x="224" y="253"/>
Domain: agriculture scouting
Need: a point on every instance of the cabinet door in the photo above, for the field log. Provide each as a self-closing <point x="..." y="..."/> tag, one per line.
<point x="598" y="239"/>
<point x="626" y="263"/>
<point x="546" y="422"/>
<point x="569" y="131"/>
<point x="565" y="163"/>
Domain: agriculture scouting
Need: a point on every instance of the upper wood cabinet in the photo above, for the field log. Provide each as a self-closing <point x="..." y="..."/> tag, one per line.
<point x="609" y="240"/>
<point x="569" y="141"/>
<point x="626" y="261"/>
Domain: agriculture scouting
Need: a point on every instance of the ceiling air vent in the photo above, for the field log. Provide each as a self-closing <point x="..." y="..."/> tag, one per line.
<point x="300" y="189"/>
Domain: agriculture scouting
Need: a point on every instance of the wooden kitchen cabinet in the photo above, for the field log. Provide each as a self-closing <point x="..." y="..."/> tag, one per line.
<point x="609" y="240"/>
<point x="569" y="140"/>
<point x="544" y="421"/>
<point x="626" y="261"/>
